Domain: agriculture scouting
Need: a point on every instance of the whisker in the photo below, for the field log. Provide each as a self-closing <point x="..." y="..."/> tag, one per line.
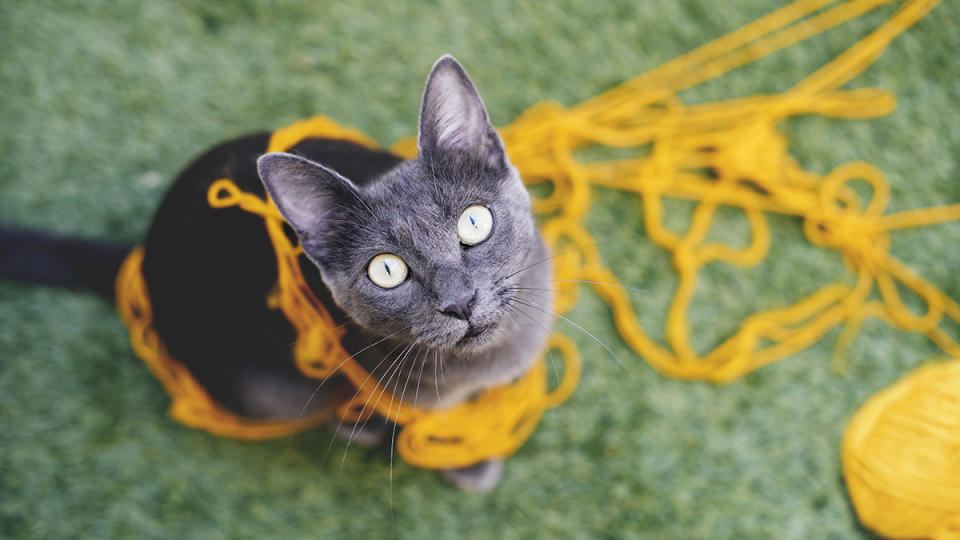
<point x="555" y="255"/>
<point x="553" y="361"/>
<point x="436" y="384"/>
<point x="600" y="283"/>
<point x="541" y="261"/>
<point x="388" y="373"/>
<point x="423" y="364"/>
<point x="442" y="376"/>
<point x="340" y="365"/>
<point x="393" y="369"/>
<point x="384" y="384"/>
<point x="582" y="329"/>
<point x="556" y="291"/>
<point x="397" y="369"/>
<point x="372" y="371"/>
<point x="393" y="436"/>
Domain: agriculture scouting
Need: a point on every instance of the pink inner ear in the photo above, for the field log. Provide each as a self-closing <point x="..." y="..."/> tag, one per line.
<point x="459" y="121"/>
<point x="453" y="117"/>
<point x="304" y="191"/>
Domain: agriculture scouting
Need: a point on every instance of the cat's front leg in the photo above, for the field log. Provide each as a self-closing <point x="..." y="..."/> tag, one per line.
<point x="479" y="477"/>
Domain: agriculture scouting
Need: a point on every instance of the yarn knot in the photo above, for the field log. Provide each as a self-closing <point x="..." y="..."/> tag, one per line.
<point x="858" y="237"/>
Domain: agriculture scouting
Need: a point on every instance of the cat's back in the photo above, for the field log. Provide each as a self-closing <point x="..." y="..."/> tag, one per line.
<point x="208" y="271"/>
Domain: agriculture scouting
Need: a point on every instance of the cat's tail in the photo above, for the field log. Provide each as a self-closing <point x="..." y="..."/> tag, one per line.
<point x="62" y="261"/>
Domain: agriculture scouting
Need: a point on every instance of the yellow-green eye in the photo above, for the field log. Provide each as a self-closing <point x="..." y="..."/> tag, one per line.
<point x="387" y="270"/>
<point x="475" y="224"/>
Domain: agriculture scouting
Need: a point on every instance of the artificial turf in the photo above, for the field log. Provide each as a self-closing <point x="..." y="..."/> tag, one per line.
<point x="104" y="101"/>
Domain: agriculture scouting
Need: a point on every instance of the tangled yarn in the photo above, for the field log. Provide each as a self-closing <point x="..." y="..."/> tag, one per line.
<point x="750" y="170"/>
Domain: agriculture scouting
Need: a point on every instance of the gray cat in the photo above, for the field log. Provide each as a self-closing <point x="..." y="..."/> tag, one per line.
<point x="435" y="253"/>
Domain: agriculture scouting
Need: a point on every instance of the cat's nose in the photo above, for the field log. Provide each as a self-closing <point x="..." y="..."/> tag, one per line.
<point x="461" y="307"/>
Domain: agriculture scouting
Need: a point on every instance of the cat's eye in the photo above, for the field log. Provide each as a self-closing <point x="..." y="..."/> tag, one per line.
<point x="475" y="224"/>
<point x="387" y="270"/>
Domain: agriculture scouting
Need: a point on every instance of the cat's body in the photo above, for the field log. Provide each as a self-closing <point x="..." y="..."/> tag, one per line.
<point x="433" y="266"/>
<point x="209" y="271"/>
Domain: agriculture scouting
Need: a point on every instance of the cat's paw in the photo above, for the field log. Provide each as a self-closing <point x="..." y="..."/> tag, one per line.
<point x="365" y="434"/>
<point x="479" y="477"/>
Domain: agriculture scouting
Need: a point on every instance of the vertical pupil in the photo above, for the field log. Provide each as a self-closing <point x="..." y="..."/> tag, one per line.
<point x="386" y="267"/>
<point x="472" y="222"/>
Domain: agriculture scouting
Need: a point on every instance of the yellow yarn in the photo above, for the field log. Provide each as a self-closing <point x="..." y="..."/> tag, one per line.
<point x="737" y="139"/>
<point x="901" y="456"/>
<point x="191" y="404"/>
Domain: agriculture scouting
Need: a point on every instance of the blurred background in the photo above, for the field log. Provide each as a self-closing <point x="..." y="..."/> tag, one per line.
<point x="104" y="102"/>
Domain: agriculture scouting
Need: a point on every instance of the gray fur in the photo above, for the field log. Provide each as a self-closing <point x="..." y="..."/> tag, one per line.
<point x="412" y="211"/>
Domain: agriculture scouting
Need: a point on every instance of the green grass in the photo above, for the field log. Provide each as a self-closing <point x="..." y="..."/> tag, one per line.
<point x="103" y="102"/>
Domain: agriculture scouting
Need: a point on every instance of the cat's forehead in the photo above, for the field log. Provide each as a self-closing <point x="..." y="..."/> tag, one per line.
<point x="416" y="210"/>
<point x="418" y="192"/>
<point x="421" y="233"/>
<point x="417" y="218"/>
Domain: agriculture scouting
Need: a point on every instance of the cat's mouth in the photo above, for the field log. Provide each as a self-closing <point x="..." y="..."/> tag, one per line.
<point x="473" y="335"/>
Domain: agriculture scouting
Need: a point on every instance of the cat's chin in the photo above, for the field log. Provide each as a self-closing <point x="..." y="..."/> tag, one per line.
<point x="474" y="333"/>
<point x="477" y="337"/>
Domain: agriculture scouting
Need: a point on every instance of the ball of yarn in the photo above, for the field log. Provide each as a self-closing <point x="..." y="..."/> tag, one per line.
<point x="901" y="456"/>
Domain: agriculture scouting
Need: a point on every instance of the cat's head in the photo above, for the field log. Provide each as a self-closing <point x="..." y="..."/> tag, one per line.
<point x="431" y="249"/>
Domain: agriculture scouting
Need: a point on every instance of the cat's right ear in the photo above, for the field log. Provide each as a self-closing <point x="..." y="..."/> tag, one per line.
<point x="305" y="192"/>
<point x="453" y="118"/>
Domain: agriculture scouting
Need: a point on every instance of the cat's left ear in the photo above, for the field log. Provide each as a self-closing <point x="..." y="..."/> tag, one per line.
<point x="453" y="118"/>
<point x="305" y="192"/>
